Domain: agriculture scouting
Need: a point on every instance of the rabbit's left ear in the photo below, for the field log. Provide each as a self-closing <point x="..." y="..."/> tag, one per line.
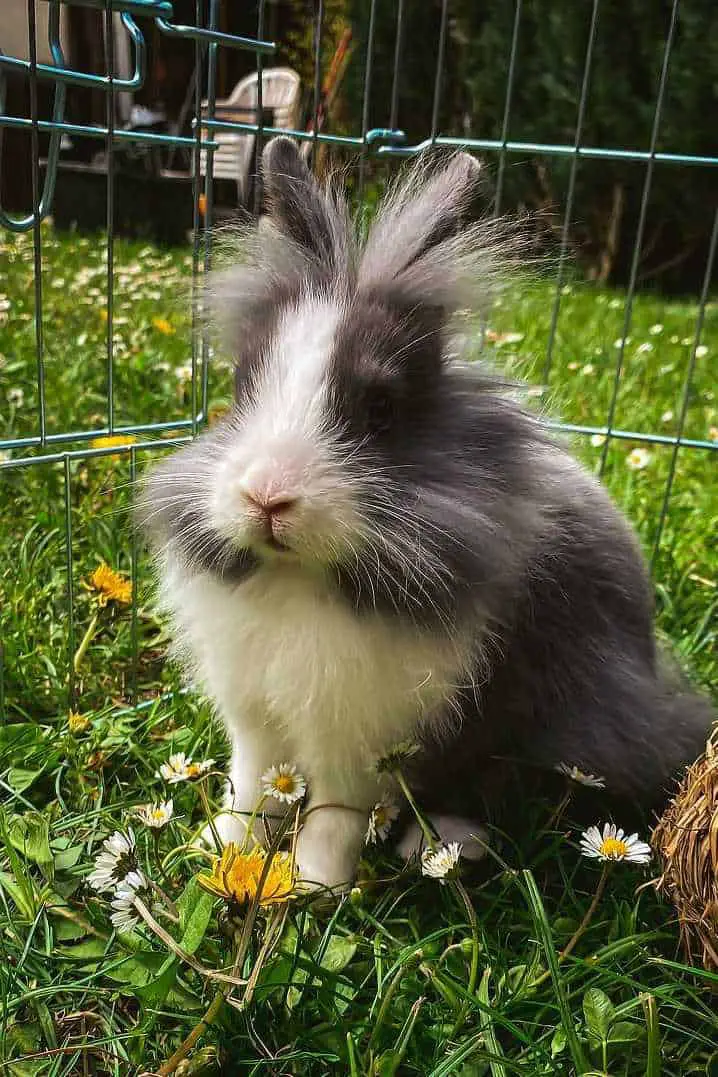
<point x="300" y="209"/>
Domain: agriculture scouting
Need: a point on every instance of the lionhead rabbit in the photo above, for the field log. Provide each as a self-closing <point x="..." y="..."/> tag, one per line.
<point x="378" y="543"/>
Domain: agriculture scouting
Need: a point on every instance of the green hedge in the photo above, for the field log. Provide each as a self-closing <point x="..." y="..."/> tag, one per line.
<point x="553" y="36"/>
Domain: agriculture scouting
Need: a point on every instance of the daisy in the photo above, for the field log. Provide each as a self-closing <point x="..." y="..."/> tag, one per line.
<point x="637" y="459"/>
<point x="111" y="586"/>
<point x="612" y="845"/>
<point x="157" y="815"/>
<point x="382" y="816"/>
<point x="656" y="329"/>
<point x="16" y="397"/>
<point x="645" y="347"/>
<point x="179" y="768"/>
<point x="124" y="917"/>
<point x="117" y="860"/>
<point x="592" y="781"/>
<point x="183" y="373"/>
<point x="701" y="351"/>
<point x="667" y="416"/>
<point x="442" y="863"/>
<point x="284" y="783"/>
<point x="597" y="440"/>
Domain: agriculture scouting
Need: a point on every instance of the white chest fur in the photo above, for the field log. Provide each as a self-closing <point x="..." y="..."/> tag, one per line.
<point x="287" y="662"/>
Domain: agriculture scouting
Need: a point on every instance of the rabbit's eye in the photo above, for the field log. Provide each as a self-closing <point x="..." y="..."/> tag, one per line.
<point x="379" y="408"/>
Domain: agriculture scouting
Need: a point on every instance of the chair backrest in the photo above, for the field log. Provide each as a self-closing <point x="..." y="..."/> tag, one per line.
<point x="280" y="93"/>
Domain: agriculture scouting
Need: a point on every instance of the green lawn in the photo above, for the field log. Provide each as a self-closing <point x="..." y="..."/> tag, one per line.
<point x="395" y="980"/>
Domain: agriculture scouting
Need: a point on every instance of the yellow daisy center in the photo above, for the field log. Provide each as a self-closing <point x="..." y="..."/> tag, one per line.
<point x="614" y="848"/>
<point x="193" y="770"/>
<point x="157" y="815"/>
<point x="284" y="783"/>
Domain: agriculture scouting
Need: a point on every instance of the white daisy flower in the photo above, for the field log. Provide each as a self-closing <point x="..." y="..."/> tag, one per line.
<point x="667" y="416"/>
<point x="675" y="339"/>
<point x="701" y="351"/>
<point x="157" y="815"/>
<point x="645" y="347"/>
<point x="592" y="781"/>
<point x="183" y="373"/>
<point x="442" y="863"/>
<point x="16" y="397"/>
<point x="125" y="917"/>
<point x="588" y="369"/>
<point x="573" y="365"/>
<point x="284" y="783"/>
<point x="179" y="768"/>
<point x="656" y="329"/>
<point x="615" y="304"/>
<point x="611" y="844"/>
<point x="637" y="459"/>
<point x="117" y="859"/>
<point x="382" y="816"/>
<point x="621" y="342"/>
<point x="597" y="440"/>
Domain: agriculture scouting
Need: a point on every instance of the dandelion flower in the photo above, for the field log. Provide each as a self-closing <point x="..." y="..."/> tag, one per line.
<point x="113" y="441"/>
<point x="111" y="586"/>
<point x="611" y="844"/>
<point x="77" y="723"/>
<point x="441" y="864"/>
<point x="163" y="326"/>
<point x="592" y="781"/>
<point x="16" y="397"/>
<point x="637" y="459"/>
<point x="236" y="876"/>
<point x="155" y="816"/>
<point x="117" y="859"/>
<point x="656" y="329"/>
<point x="284" y="783"/>
<point x="133" y="887"/>
<point x="382" y="816"/>
<point x="179" y="768"/>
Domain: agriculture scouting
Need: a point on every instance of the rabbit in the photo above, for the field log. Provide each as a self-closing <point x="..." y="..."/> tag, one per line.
<point x="380" y="543"/>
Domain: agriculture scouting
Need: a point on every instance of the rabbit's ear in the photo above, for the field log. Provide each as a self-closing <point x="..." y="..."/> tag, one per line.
<point x="423" y="243"/>
<point x="300" y="209"/>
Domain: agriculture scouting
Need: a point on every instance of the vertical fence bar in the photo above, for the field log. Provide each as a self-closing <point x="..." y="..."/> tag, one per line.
<point x="259" y="137"/>
<point x="71" y="682"/>
<point x="110" y="119"/>
<point x="134" y="661"/>
<point x="639" y="232"/>
<point x="36" y="236"/>
<point x="196" y="190"/>
<point x="685" y="398"/>
<point x="318" y="25"/>
<point x="208" y="204"/>
<point x="438" y="77"/>
<point x="507" y="108"/>
<point x="366" y="95"/>
<point x="571" y="189"/>
<point x="398" y="55"/>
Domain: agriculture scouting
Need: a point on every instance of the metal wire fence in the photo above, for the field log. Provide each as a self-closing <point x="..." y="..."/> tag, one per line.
<point x="65" y="449"/>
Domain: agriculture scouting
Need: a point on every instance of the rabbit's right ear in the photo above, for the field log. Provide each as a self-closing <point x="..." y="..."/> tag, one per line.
<point x="299" y="208"/>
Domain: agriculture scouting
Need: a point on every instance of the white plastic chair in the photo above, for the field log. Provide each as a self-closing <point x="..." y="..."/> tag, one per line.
<point x="235" y="152"/>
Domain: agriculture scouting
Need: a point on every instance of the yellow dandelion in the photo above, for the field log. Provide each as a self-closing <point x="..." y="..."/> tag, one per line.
<point x="77" y="723"/>
<point x="163" y="326"/>
<point x="236" y="876"/>
<point x="111" y="586"/>
<point x="113" y="441"/>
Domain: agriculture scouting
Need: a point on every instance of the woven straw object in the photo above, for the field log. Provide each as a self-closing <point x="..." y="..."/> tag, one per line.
<point x="686" y="841"/>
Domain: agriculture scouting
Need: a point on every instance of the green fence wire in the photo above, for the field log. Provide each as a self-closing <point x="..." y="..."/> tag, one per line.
<point x="65" y="447"/>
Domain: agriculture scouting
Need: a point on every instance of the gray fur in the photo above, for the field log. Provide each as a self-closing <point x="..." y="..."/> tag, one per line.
<point x="479" y="521"/>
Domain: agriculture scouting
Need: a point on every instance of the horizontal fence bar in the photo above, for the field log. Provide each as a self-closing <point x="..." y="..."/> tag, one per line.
<point x="216" y="37"/>
<point x="86" y="454"/>
<point x="133" y="7"/>
<point x="549" y="149"/>
<point x="186" y="424"/>
<point x="88" y="435"/>
<point x="57" y="72"/>
<point x="85" y="131"/>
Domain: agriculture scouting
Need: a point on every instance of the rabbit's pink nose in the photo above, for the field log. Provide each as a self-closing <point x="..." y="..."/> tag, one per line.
<point x="272" y="508"/>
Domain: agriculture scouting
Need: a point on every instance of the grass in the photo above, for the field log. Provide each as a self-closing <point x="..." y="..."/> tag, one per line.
<point x="397" y="979"/>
